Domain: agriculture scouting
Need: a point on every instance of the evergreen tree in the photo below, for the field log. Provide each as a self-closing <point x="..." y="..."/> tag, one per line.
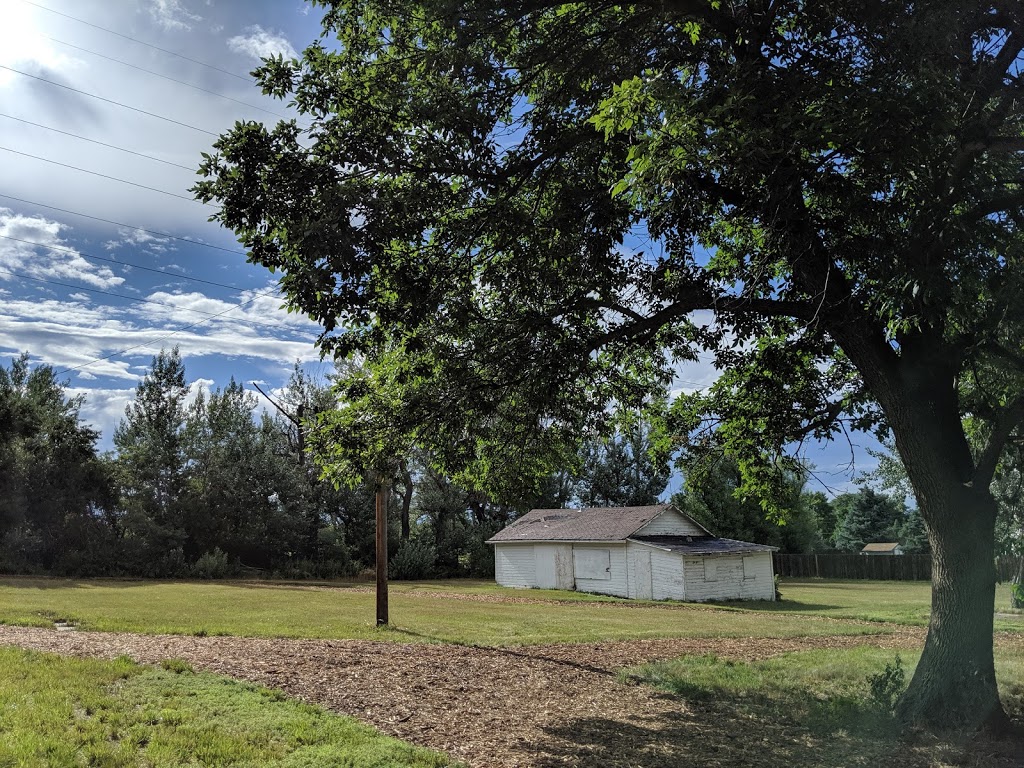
<point x="868" y="517"/>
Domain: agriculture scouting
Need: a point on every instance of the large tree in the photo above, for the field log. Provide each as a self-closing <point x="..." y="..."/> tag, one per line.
<point x="521" y="212"/>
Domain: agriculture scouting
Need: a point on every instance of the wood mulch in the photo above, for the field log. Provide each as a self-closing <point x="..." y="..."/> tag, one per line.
<point x="539" y="706"/>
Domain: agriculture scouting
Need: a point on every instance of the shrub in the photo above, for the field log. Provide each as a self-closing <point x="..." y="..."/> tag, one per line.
<point x="212" y="565"/>
<point x="413" y="560"/>
<point x="1017" y="595"/>
<point x="888" y="684"/>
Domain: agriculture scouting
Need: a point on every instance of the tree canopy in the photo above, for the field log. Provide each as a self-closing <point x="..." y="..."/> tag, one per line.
<point x="519" y="213"/>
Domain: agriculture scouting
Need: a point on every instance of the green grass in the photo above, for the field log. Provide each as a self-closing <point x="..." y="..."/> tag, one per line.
<point x="56" y="711"/>
<point x="433" y="612"/>
<point x="902" y="602"/>
<point x="294" y="611"/>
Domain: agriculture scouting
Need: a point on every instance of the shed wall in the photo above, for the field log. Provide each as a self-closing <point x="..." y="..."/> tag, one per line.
<point x="617" y="582"/>
<point x="727" y="577"/>
<point x="670" y="523"/>
<point x="514" y="565"/>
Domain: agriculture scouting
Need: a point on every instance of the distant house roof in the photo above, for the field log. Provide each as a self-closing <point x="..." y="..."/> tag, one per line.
<point x="586" y="524"/>
<point x="887" y="546"/>
<point x="702" y="545"/>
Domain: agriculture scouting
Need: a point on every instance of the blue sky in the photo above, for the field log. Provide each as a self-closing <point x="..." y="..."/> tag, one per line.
<point x="60" y="269"/>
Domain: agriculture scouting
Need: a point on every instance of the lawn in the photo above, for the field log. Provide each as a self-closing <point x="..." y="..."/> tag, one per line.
<point x="903" y="602"/>
<point x="477" y="613"/>
<point x="57" y="711"/>
<point x="420" y="613"/>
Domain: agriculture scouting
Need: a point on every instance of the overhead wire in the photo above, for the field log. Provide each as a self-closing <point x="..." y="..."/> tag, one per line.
<point x="105" y="176"/>
<point x="96" y="141"/>
<point x="155" y="232"/>
<point x="120" y="262"/>
<point x="108" y="101"/>
<point x="136" y="40"/>
<point x="165" y="77"/>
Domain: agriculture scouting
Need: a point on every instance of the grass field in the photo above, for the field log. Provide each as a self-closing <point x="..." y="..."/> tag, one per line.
<point x="424" y="612"/>
<point x="56" y="711"/>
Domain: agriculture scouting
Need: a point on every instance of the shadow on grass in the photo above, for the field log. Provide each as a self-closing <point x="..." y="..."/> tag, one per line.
<point x="776" y="606"/>
<point x="758" y="731"/>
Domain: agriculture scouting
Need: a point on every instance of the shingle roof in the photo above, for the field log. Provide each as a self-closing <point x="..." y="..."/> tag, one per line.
<point x="702" y="545"/>
<point x="887" y="546"/>
<point x="587" y="524"/>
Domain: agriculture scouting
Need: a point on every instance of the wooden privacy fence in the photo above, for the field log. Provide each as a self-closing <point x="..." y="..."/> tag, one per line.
<point x="880" y="567"/>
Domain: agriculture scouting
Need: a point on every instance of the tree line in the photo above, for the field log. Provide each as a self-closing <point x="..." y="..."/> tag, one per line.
<point x="217" y="487"/>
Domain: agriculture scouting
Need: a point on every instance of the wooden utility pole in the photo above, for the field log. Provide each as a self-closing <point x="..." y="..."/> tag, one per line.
<point x="382" y="551"/>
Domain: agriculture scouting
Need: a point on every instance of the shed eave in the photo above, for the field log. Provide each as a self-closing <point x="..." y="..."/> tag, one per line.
<point x="557" y="541"/>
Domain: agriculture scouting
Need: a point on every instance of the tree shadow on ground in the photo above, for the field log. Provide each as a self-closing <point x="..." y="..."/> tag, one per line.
<point x="762" y="733"/>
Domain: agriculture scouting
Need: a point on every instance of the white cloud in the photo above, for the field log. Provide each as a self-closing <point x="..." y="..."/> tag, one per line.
<point x="141" y="240"/>
<point x="33" y="246"/>
<point x="260" y="43"/>
<point x="171" y="14"/>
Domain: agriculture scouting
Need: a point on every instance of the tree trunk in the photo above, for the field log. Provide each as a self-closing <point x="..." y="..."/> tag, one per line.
<point x="1017" y="587"/>
<point x="955" y="683"/>
<point x="407" y="489"/>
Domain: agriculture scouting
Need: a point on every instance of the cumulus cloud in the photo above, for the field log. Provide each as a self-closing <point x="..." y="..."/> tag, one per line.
<point x="33" y="246"/>
<point x="171" y="14"/>
<point x="141" y="240"/>
<point x="260" y="43"/>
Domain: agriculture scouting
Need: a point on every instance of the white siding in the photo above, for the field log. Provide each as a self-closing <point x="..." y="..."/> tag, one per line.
<point x="729" y="583"/>
<point x="668" y="576"/>
<point x="670" y="523"/>
<point x="514" y="565"/>
<point x="553" y="563"/>
<point x="617" y="581"/>
<point x="666" y="572"/>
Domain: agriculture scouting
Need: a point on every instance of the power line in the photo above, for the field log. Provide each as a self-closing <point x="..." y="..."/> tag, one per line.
<point x="95" y="141"/>
<point x="105" y="176"/>
<point x="139" y="300"/>
<point x="122" y="224"/>
<point x="122" y="263"/>
<point x="165" y="77"/>
<point x="109" y="101"/>
<point x="140" y="42"/>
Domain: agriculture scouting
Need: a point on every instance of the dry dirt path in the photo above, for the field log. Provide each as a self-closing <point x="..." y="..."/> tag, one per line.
<point x="540" y="706"/>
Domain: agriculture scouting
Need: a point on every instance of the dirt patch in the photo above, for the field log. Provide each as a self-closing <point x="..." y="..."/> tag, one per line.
<point x="541" y="706"/>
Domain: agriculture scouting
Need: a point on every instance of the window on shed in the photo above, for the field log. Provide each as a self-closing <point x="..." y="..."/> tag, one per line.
<point x="710" y="569"/>
<point x="592" y="563"/>
<point x="749" y="567"/>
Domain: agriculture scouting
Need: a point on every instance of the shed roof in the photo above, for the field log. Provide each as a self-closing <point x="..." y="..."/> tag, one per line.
<point x="882" y="546"/>
<point x="586" y="524"/>
<point x="702" y="545"/>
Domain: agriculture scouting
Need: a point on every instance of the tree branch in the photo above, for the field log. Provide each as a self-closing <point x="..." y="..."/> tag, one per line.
<point x="1006" y="421"/>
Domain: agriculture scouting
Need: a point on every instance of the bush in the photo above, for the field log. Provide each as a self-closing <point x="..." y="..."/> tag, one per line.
<point x="1017" y="595"/>
<point x="212" y="565"/>
<point x="888" y="685"/>
<point x="413" y="560"/>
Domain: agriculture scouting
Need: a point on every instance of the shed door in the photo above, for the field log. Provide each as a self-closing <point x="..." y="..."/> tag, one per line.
<point x="544" y="557"/>
<point x="644" y="588"/>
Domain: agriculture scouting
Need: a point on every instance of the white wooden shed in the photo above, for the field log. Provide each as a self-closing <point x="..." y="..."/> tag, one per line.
<point x="649" y="553"/>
